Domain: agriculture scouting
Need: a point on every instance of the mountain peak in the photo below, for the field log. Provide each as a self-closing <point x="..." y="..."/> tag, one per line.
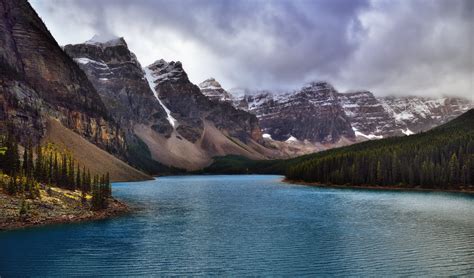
<point x="210" y="83"/>
<point x="318" y="85"/>
<point x="167" y="71"/>
<point x="214" y="91"/>
<point x="106" y="40"/>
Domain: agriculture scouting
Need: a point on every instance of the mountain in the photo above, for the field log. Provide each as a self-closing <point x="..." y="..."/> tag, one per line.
<point x="39" y="77"/>
<point x="202" y="128"/>
<point x="314" y="114"/>
<point x="120" y="81"/>
<point x="441" y="158"/>
<point x="166" y="118"/>
<point x="156" y="119"/>
<point x="415" y="114"/>
<point x="41" y="83"/>
<point x="320" y="114"/>
<point x="368" y="116"/>
<point x="214" y="91"/>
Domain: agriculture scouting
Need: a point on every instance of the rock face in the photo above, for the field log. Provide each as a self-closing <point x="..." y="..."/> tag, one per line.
<point x="202" y="128"/>
<point x="190" y="108"/>
<point x="368" y="117"/>
<point x="314" y="113"/>
<point x="160" y="107"/>
<point x="320" y="114"/>
<point x="38" y="80"/>
<point x="414" y="114"/>
<point x="120" y="81"/>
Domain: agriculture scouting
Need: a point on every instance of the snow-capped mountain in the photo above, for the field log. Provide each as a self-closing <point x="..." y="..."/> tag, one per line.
<point x="314" y="113"/>
<point x="368" y="117"/>
<point x="319" y="113"/>
<point x="214" y="91"/>
<point x="119" y="79"/>
<point x="160" y="107"/>
<point x="414" y="114"/>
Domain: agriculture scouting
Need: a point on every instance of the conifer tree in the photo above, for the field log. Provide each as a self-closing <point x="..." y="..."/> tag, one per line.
<point x="39" y="164"/>
<point x="78" y="178"/>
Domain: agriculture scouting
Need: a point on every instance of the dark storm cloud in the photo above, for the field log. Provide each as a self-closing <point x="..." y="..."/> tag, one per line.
<point x="423" y="47"/>
<point x="386" y="46"/>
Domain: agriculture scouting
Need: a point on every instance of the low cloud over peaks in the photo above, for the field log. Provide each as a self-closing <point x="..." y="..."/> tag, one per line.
<point x="402" y="47"/>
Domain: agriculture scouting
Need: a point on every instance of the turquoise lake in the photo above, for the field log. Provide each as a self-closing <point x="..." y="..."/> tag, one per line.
<point x="254" y="225"/>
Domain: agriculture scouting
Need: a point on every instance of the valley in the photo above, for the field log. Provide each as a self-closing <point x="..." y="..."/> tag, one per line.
<point x="236" y="138"/>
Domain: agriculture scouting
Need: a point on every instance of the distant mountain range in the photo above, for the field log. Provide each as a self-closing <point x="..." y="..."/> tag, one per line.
<point x="320" y="114"/>
<point x="155" y="119"/>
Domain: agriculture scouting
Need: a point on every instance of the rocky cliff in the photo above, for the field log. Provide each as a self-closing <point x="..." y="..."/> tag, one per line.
<point x="120" y="81"/>
<point x="320" y="114"/>
<point x="122" y="85"/>
<point x="190" y="108"/>
<point x="38" y="81"/>
<point x="314" y="113"/>
<point x="202" y="128"/>
<point x="413" y="114"/>
<point x="159" y="106"/>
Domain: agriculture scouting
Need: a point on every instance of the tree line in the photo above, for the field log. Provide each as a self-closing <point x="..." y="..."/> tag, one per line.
<point x="47" y="165"/>
<point x="440" y="158"/>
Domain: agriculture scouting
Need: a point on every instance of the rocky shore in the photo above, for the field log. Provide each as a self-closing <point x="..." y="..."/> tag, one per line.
<point x="54" y="206"/>
<point x="460" y="189"/>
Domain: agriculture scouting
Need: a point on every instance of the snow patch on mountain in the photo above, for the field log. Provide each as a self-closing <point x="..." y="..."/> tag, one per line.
<point x="369" y="136"/>
<point x="84" y="61"/>
<point x="267" y="136"/>
<point x="407" y="132"/>
<point x="152" y="79"/>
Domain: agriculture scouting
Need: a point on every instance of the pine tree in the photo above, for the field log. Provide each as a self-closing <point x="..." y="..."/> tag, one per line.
<point x="25" y="161"/>
<point x="56" y="174"/>
<point x="51" y="168"/>
<point x="39" y="165"/>
<point x="84" y="183"/>
<point x="71" y="174"/>
<point x="78" y="178"/>
<point x="30" y="169"/>
<point x="11" y="159"/>
<point x="453" y="169"/>
<point x="12" y="185"/>
<point x="64" y="175"/>
<point x="379" y="173"/>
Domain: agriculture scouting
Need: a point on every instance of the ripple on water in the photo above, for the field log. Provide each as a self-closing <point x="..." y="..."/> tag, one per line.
<point x="247" y="225"/>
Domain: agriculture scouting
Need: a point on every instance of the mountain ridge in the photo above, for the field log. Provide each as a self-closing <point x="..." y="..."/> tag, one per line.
<point x="186" y="117"/>
<point x="41" y="81"/>
<point x="370" y="117"/>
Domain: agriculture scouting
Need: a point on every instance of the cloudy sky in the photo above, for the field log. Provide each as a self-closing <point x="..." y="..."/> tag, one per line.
<point x="423" y="47"/>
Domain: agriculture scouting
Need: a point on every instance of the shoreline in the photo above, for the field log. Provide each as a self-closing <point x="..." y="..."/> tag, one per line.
<point x="469" y="191"/>
<point x="116" y="208"/>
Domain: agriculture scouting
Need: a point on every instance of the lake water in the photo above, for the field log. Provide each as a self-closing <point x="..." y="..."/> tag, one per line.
<point x="254" y="225"/>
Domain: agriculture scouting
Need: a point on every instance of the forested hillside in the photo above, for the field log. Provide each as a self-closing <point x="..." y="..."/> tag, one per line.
<point x="25" y="173"/>
<point x="440" y="158"/>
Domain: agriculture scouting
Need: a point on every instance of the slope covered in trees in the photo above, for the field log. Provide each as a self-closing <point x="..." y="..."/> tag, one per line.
<point x="25" y="172"/>
<point x="440" y="158"/>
